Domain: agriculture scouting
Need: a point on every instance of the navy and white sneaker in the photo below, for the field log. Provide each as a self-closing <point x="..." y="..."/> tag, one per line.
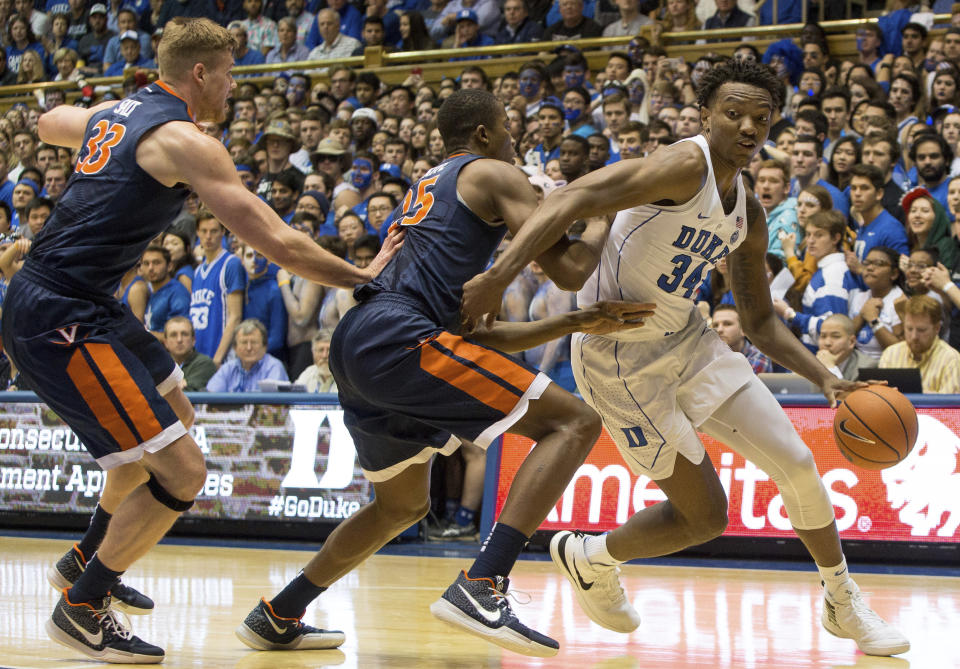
<point x="479" y="606"/>
<point x="95" y="630"/>
<point x="263" y="629"/>
<point x="597" y="586"/>
<point x="68" y="569"/>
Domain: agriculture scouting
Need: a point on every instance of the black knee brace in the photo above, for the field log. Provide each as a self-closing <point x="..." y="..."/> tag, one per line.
<point x="161" y="495"/>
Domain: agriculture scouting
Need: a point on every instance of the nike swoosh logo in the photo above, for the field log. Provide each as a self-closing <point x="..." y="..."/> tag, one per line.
<point x="278" y="630"/>
<point x="92" y="639"/>
<point x="702" y="217"/>
<point x="583" y="584"/>
<point x="491" y="616"/>
<point x="843" y="428"/>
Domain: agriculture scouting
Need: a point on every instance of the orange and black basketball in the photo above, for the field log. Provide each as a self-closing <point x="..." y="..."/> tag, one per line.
<point x="875" y="427"/>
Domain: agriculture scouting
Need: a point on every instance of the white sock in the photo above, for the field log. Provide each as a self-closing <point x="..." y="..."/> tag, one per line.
<point x="595" y="548"/>
<point x="834" y="578"/>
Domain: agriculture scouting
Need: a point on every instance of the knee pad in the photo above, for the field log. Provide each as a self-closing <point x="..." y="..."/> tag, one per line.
<point x="161" y="495"/>
<point x="805" y="497"/>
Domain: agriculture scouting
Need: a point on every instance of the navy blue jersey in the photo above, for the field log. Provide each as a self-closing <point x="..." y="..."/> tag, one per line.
<point x="111" y="208"/>
<point x="446" y="245"/>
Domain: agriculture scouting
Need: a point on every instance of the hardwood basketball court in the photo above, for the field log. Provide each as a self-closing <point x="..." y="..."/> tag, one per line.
<point x="692" y="617"/>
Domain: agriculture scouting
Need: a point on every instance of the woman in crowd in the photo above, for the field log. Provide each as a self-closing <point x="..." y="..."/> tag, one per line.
<point x="435" y="145"/>
<point x="864" y="88"/>
<point x="31" y="68"/>
<point x="58" y="38"/>
<point x="928" y="225"/>
<point x="811" y="200"/>
<point x="874" y="317"/>
<point x="414" y="35"/>
<point x="20" y="39"/>
<point x="945" y="89"/>
<point x="845" y="154"/>
<point x="181" y="257"/>
<point x="350" y="228"/>
<point x="65" y="62"/>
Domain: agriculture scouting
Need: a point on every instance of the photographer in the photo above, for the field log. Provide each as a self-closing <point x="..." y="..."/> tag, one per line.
<point x="37" y="212"/>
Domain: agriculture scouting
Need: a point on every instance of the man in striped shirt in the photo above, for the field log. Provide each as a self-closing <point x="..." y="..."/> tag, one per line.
<point x="922" y="348"/>
<point x="830" y="286"/>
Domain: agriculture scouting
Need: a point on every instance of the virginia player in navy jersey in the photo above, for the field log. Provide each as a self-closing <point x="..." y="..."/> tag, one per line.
<point x="87" y="357"/>
<point x="411" y="386"/>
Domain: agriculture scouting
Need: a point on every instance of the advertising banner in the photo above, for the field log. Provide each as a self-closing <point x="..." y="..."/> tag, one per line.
<point x="264" y="461"/>
<point x="916" y="500"/>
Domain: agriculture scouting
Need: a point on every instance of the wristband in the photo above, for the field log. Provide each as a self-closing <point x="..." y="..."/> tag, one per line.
<point x="947" y="286"/>
<point x="790" y="314"/>
<point x="285" y="282"/>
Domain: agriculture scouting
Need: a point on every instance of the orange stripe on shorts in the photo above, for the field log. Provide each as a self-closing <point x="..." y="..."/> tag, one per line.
<point x="92" y="392"/>
<point x="516" y="375"/>
<point x="126" y="389"/>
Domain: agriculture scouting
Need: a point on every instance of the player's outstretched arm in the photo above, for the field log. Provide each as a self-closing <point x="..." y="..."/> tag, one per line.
<point x="65" y="125"/>
<point x="495" y="190"/>
<point x="179" y="152"/>
<point x="751" y="293"/>
<point x="672" y="174"/>
<point x="599" y="318"/>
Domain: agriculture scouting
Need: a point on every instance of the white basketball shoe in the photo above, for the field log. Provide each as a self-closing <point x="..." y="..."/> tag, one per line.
<point x="847" y="616"/>
<point x="597" y="586"/>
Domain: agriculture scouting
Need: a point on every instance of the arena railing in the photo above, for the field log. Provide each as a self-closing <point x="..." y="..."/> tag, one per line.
<point x="393" y="67"/>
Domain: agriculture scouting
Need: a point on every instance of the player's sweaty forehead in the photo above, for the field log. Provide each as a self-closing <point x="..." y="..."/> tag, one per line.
<point x="741" y="93"/>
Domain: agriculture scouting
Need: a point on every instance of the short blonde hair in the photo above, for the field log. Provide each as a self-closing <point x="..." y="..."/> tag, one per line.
<point x="186" y="42"/>
<point x="924" y="305"/>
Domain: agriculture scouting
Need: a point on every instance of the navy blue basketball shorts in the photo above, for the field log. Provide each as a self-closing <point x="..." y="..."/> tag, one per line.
<point x="410" y="389"/>
<point x="97" y="367"/>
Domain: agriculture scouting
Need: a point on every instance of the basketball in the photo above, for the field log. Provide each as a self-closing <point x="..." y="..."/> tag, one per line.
<point x="875" y="427"/>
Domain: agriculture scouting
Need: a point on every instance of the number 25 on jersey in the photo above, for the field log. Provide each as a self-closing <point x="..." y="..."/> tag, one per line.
<point x="415" y="211"/>
<point x="105" y="136"/>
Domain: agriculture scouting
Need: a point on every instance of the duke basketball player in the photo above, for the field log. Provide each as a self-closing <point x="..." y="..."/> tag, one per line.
<point x="679" y="212"/>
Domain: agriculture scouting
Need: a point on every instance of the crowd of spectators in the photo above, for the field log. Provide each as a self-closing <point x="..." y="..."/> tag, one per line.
<point x="860" y="178"/>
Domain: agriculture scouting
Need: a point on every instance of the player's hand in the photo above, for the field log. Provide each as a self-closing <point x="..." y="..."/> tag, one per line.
<point x="611" y="316"/>
<point x="391" y="245"/>
<point x="835" y="390"/>
<point x="780" y="307"/>
<point x="480" y="303"/>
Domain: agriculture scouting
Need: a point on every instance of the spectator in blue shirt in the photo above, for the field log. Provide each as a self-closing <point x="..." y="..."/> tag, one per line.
<point x="773" y="189"/>
<point x="805" y="159"/>
<point x="932" y="155"/>
<point x="551" y="118"/>
<point x="878" y="227"/>
<point x="168" y="297"/>
<point x="243" y="55"/>
<point x="264" y="301"/>
<point x="131" y="57"/>
<point x="517" y="26"/>
<point x="351" y="23"/>
<point x="467" y="33"/>
<point x="252" y="364"/>
<point x="126" y="20"/>
<point x="831" y="284"/>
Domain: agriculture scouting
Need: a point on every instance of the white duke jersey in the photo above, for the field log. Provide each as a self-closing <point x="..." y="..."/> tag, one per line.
<point x="662" y="254"/>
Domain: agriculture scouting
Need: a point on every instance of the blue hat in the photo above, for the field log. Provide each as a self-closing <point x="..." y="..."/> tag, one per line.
<point x="467" y="15"/>
<point x="553" y="103"/>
